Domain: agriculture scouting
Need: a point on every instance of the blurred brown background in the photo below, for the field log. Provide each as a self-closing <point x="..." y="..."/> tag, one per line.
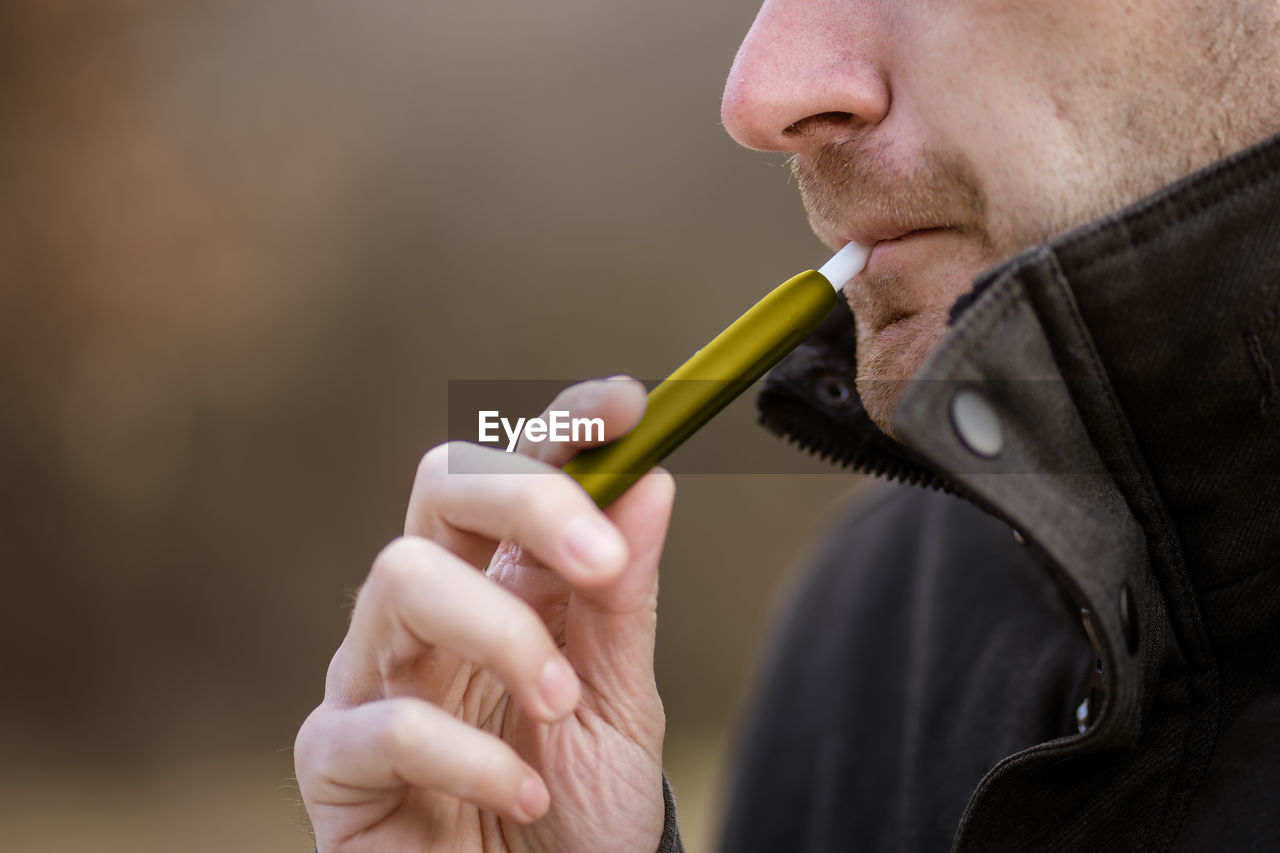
<point x="243" y="247"/>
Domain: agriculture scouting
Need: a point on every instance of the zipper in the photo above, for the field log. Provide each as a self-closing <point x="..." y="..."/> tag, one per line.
<point x="810" y="400"/>
<point x="855" y="457"/>
<point x="827" y="436"/>
<point x="813" y="405"/>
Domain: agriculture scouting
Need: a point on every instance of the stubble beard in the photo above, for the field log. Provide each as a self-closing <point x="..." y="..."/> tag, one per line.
<point x="1163" y="122"/>
<point x="857" y="181"/>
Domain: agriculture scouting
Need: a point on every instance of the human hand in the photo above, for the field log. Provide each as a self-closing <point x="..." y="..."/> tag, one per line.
<point x="495" y="689"/>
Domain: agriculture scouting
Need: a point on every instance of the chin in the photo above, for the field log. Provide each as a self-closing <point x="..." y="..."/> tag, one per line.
<point x="880" y="397"/>
<point x="888" y="359"/>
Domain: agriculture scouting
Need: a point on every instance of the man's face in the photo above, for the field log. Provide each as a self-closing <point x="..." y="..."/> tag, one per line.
<point x="954" y="134"/>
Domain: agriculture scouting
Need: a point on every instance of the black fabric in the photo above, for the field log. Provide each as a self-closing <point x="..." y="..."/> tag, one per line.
<point x="811" y="399"/>
<point x="927" y="649"/>
<point x="926" y="646"/>
<point x="1182" y="297"/>
<point x="670" y="841"/>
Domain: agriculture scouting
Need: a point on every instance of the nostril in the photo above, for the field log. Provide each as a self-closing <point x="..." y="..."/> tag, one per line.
<point x="809" y="125"/>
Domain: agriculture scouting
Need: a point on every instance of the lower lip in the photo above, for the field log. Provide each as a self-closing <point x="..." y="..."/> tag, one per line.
<point x="884" y="251"/>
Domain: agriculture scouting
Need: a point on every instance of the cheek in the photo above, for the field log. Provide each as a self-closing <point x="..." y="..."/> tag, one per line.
<point x="992" y="83"/>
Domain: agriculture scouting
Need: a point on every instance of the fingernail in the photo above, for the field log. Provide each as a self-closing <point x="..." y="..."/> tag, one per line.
<point x="558" y="685"/>
<point x="593" y="544"/>
<point x="534" y="798"/>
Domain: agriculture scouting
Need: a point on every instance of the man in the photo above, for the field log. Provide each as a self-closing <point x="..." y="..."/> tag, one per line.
<point x="1109" y="392"/>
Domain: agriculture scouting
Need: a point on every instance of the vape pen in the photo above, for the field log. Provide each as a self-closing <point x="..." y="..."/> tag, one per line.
<point x="716" y="374"/>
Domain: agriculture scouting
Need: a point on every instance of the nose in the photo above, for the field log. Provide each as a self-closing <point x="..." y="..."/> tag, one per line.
<point x="806" y="75"/>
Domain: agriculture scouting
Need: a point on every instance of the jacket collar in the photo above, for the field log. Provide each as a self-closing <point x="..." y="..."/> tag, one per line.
<point x="1131" y="368"/>
<point x="1178" y="299"/>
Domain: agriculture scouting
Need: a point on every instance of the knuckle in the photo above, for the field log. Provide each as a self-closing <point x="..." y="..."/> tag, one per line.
<point x="568" y="397"/>
<point x="402" y="728"/>
<point x="306" y="745"/>
<point x="313" y="748"/>
<point x="528" y="497"/>
<point x="544" y="500"/>
<point x="435" y="462"/>
<point x="582" y="398"/>
<point x="395" y="567"/>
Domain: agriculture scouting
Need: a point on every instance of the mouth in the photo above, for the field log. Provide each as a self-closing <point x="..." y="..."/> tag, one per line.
<point x="874" y="235"/>
<point x="885" y="250"/>
<point x="888" y="295"/>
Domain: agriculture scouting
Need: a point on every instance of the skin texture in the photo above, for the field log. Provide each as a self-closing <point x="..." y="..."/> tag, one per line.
<point x="952" y="134"/>
<point x="1000" y="123"/>
<point x="435" y="716"/>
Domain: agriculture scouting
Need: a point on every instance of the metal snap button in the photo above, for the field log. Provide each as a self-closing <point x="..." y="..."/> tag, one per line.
<point x="834" y="390"/>
<point x="1082" y="716"/>
<point x="976" y="423"/>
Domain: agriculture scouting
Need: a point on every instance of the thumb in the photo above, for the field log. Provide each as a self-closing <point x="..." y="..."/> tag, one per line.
<point x="609" y="630"/>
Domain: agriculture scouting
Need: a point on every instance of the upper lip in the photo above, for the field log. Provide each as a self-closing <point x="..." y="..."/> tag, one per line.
<point x="870" y="233"/>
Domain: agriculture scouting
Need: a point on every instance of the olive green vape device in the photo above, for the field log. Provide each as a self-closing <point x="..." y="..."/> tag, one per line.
<point x="716" y="374"/>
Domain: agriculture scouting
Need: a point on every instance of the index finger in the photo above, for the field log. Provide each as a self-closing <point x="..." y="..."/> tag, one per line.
<point x="464" y="488"/>
<point x="618" y="402"/>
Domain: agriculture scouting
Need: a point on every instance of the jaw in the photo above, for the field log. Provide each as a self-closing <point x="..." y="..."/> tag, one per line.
<point x="889" y="358"/>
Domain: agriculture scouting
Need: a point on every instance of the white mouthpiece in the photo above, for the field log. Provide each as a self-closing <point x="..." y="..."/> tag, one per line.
<point x="845" y="264"/>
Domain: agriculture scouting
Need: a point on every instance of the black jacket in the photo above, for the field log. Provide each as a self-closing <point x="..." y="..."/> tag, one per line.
<point x="1100" y="430"/>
